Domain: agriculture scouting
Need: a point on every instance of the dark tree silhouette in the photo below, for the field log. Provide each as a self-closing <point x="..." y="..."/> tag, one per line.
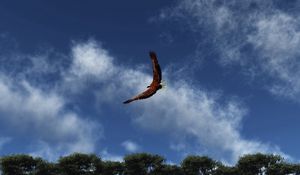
<point x="170" y="170"/>
<point x="46" y="168"/>
<point x="83" y="164"/>
<point x="198" y="165"/>
<point x="143" y="164"/>
<point x="25" y="164"/>
<point x="257" y="163"/>
<point x="18" y="165"/>
<point x="113" y="168"/>
<point x="283" y="168"/>
<point x="225" y="170"/>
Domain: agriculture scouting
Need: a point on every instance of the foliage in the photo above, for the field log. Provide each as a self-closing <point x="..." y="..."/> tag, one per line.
<point x="196" y="165"/>
<point x="83" y="164"/>
<point x="18" y="165"/>
<point x="145" y="164"/>
<point x="113" y="168"/>
<point x="24" y="164"/>
<point x="170" y="170"/>
<point x="283" y="169"/>
<point x="226" y="170"/>
<point x="46" y="168"/>
<point x="257" y="163"/>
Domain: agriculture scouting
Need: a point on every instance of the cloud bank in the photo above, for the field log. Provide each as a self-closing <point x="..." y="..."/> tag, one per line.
<point x="188" y="114"/>
<point x="33" y="109"/>
<point x="181" y="110"/>
<point x="35" y="114"/>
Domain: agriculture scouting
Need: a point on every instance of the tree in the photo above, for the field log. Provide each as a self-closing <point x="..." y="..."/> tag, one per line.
<point x="169" y="170"/>
<point x="145" y="164"/>
<point x="284" y="168"/>
<point x="257" y="163"/>
<point x="46" y="168"/>
<point x="225" y="170"/>
<point x="198" y="165"/>
<point x="142" y="164"/>
<point x="113" y="168"/>
<point x="25" y="164"/>
<point x="296" y="169"/>
<point x="83" y="164"/>
<point x="18" y="165"/>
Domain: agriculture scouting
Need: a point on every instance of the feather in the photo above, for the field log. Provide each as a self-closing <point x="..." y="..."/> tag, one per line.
<point x="155" y="85"/>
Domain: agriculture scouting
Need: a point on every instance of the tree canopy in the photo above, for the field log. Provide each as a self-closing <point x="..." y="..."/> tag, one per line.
<point x="145" y="164"/>
<point x="83" y="164"/>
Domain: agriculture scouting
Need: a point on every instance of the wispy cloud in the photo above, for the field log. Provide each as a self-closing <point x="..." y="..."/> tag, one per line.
<point x="277" y="38"/>
<point x="256" y="35"/>
<point x="130" y="146"/>
<point x="105" y="155"/>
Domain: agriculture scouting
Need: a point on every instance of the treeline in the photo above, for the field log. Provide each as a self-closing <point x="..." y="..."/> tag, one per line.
<point x="145" y="164"/>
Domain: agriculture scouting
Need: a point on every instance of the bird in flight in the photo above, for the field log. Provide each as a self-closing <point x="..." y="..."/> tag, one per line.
<point x="156" y="82"/>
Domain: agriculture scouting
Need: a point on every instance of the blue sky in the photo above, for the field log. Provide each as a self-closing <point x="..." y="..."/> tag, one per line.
<point x="232" y="72"/>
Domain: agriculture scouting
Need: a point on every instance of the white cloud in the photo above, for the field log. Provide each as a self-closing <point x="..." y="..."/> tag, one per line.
<point x="42" y="116"/>
<point x="86" y="60"/>
<point x="186" y="111"/>
<point x="183" y="110"/>
<point x="105" y="155"/>
<point x="43" y="149"/>
<point x="90" y="63"/>
<point x="254" y="34"/>
<point x="178" y="146"/>
<point x="130" y="146"/>
<point x="277" y="39"/>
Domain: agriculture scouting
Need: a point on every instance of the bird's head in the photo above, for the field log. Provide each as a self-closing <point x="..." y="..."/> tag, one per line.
<point x="162" y="85"/>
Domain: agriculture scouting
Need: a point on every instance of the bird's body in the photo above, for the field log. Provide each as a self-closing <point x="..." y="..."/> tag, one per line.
<point x="155" y="85"/>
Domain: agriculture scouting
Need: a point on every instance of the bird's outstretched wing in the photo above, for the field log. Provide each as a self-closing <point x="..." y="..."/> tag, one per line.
<point x="156" y="69"/>
<point x="146" y="94"/>
<point x="154" y="86"/>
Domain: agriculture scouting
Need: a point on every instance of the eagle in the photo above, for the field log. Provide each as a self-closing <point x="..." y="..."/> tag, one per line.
<point x="156" y="82"/>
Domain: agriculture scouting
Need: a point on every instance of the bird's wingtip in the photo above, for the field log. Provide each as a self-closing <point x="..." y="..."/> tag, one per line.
<point x="152" y="53"/>
<point x="127" y="101"/>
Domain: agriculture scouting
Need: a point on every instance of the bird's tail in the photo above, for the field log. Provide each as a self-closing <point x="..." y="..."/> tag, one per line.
<point x="128" y="101"/>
